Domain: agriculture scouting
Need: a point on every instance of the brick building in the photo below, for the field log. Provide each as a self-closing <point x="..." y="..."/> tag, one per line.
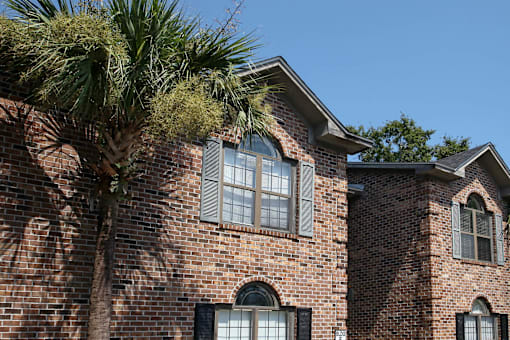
<point x="223" y="240"/>
<point x="427" y="248"/>
<point x="232" y="239"/>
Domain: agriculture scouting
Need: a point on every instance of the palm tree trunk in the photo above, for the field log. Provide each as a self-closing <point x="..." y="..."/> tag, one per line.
<point x="101" y="292"/>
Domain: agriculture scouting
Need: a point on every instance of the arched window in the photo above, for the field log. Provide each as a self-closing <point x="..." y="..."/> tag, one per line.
<point x="256" y="314"/>
<point x="476" y="230"/>
<point x="257" y="294"/>
<point x="257" y="185"/>
<point x="479" y="324"/>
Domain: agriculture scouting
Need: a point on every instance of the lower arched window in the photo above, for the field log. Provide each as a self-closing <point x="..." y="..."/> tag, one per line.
<point x="479" y="324"/>
<point x="256" y="314"/>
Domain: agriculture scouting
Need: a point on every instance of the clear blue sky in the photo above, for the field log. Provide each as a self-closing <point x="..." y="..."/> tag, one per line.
<point x="444" y="63"/>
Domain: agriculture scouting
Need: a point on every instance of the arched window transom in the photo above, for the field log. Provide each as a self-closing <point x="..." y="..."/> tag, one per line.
<point x="256" y="294"/>
<point x="260" y="145"/>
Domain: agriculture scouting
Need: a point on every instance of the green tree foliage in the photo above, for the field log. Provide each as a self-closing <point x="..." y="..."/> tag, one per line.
<point x="403" y="141"/>
<point x="450" y="146"/>
<point x="129" y="69"/>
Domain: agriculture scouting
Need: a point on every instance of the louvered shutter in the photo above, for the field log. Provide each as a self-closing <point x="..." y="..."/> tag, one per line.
<point x="307" y="174"/>
<point x="211" y="175"/>
<point x="500" y="240"/>
<point x="503" y="325"/>
<point x="304" y="324"/>
<point x="204" y="321"/>
<point x="456" y="244"/>
<point x="459" y="325"/>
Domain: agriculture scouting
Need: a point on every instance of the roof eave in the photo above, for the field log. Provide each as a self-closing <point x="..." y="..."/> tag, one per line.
<point x="326" y="129"/>
<point x="440" y="173"/>
<point x="422" y="169"/>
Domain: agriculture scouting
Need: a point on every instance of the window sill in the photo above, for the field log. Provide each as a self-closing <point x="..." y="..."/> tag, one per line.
<point x="479" y="263"/>
<point x="260" y="231"/>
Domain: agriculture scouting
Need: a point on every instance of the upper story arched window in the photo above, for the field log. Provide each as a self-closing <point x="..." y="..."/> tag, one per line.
<point x="476" y="230"/>
<point x="258" y="185"/>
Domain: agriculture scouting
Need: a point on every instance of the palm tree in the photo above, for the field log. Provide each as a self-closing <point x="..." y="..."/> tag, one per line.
<point x="129" y="69"/>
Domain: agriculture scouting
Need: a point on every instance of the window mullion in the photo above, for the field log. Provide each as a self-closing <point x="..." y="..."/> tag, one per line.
<point x="479" y="327"/>
<point x="255" y="328"/>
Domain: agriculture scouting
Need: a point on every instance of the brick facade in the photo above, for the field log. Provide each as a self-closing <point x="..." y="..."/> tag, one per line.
<point x="167" y="260"/>
<point x="404" y="281"/>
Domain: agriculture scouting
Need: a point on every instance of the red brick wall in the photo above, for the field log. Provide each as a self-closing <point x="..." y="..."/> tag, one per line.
<point x="46" y="231"/>
<point x="401" y="267"/>
<point x="388" y="273"/>
<point x="457" y="283"/>
<point x="166" y="260"/>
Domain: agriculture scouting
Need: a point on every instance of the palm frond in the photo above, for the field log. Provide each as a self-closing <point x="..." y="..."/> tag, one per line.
<point x="40" y="11"/>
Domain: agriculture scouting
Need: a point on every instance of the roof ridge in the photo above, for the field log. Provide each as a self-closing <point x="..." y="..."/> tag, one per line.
<point x="458" y="160"/>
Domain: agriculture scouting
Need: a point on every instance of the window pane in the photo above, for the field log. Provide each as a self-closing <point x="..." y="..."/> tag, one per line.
<point x="479" y="307"/>
<point x="466" y="224"/>
<point x="239" y="168"/>
<point x="256" y="299"/>
<point x="482" y="224"/>
<point x="230" y="155"/>
<point x="234" y="325"/>
<point x="260" y="145"/>
<point x="238" y="205"/>
<point x="487" y="328"/>
<point x="274" y="211"/>
<point x="275" y="184"/>
<point x="267" y="168"/>
<point x="484" y="249"/>
<point x="470" y="328"/>
<point x="473" y="203"/>
<point x="276" y="176"/>
<point x="272" y="325"/>
<point x="468" y="246"/>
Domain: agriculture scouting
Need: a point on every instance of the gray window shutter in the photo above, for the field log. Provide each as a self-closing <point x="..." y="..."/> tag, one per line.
<point x="204" y="321"/>
<point x="304" y="324"/>
<point x="456" y="246"/>
<point x="500" y="240"/>
<point x="503" y="324"/>
<point x="307" y="174"/>
<point x="211" y="175"/>
<point x="459" y="321"/>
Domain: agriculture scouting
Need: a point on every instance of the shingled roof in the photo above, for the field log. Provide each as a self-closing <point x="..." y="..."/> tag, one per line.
<point x="453" y="167"/>
<point x="459" y="159"/>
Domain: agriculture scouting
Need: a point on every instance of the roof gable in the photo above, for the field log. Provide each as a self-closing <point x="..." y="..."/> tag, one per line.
<point x="454" y="167"/>
<point x="488" y="157"/>
<point x="325" y="129"/>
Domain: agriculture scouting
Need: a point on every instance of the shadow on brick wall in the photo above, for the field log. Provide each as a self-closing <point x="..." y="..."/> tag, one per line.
<point x="48" y="232"/>
<point x="151" y="295"/>
<point x="389" y="273"/>
<point x="47" y="235"/>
